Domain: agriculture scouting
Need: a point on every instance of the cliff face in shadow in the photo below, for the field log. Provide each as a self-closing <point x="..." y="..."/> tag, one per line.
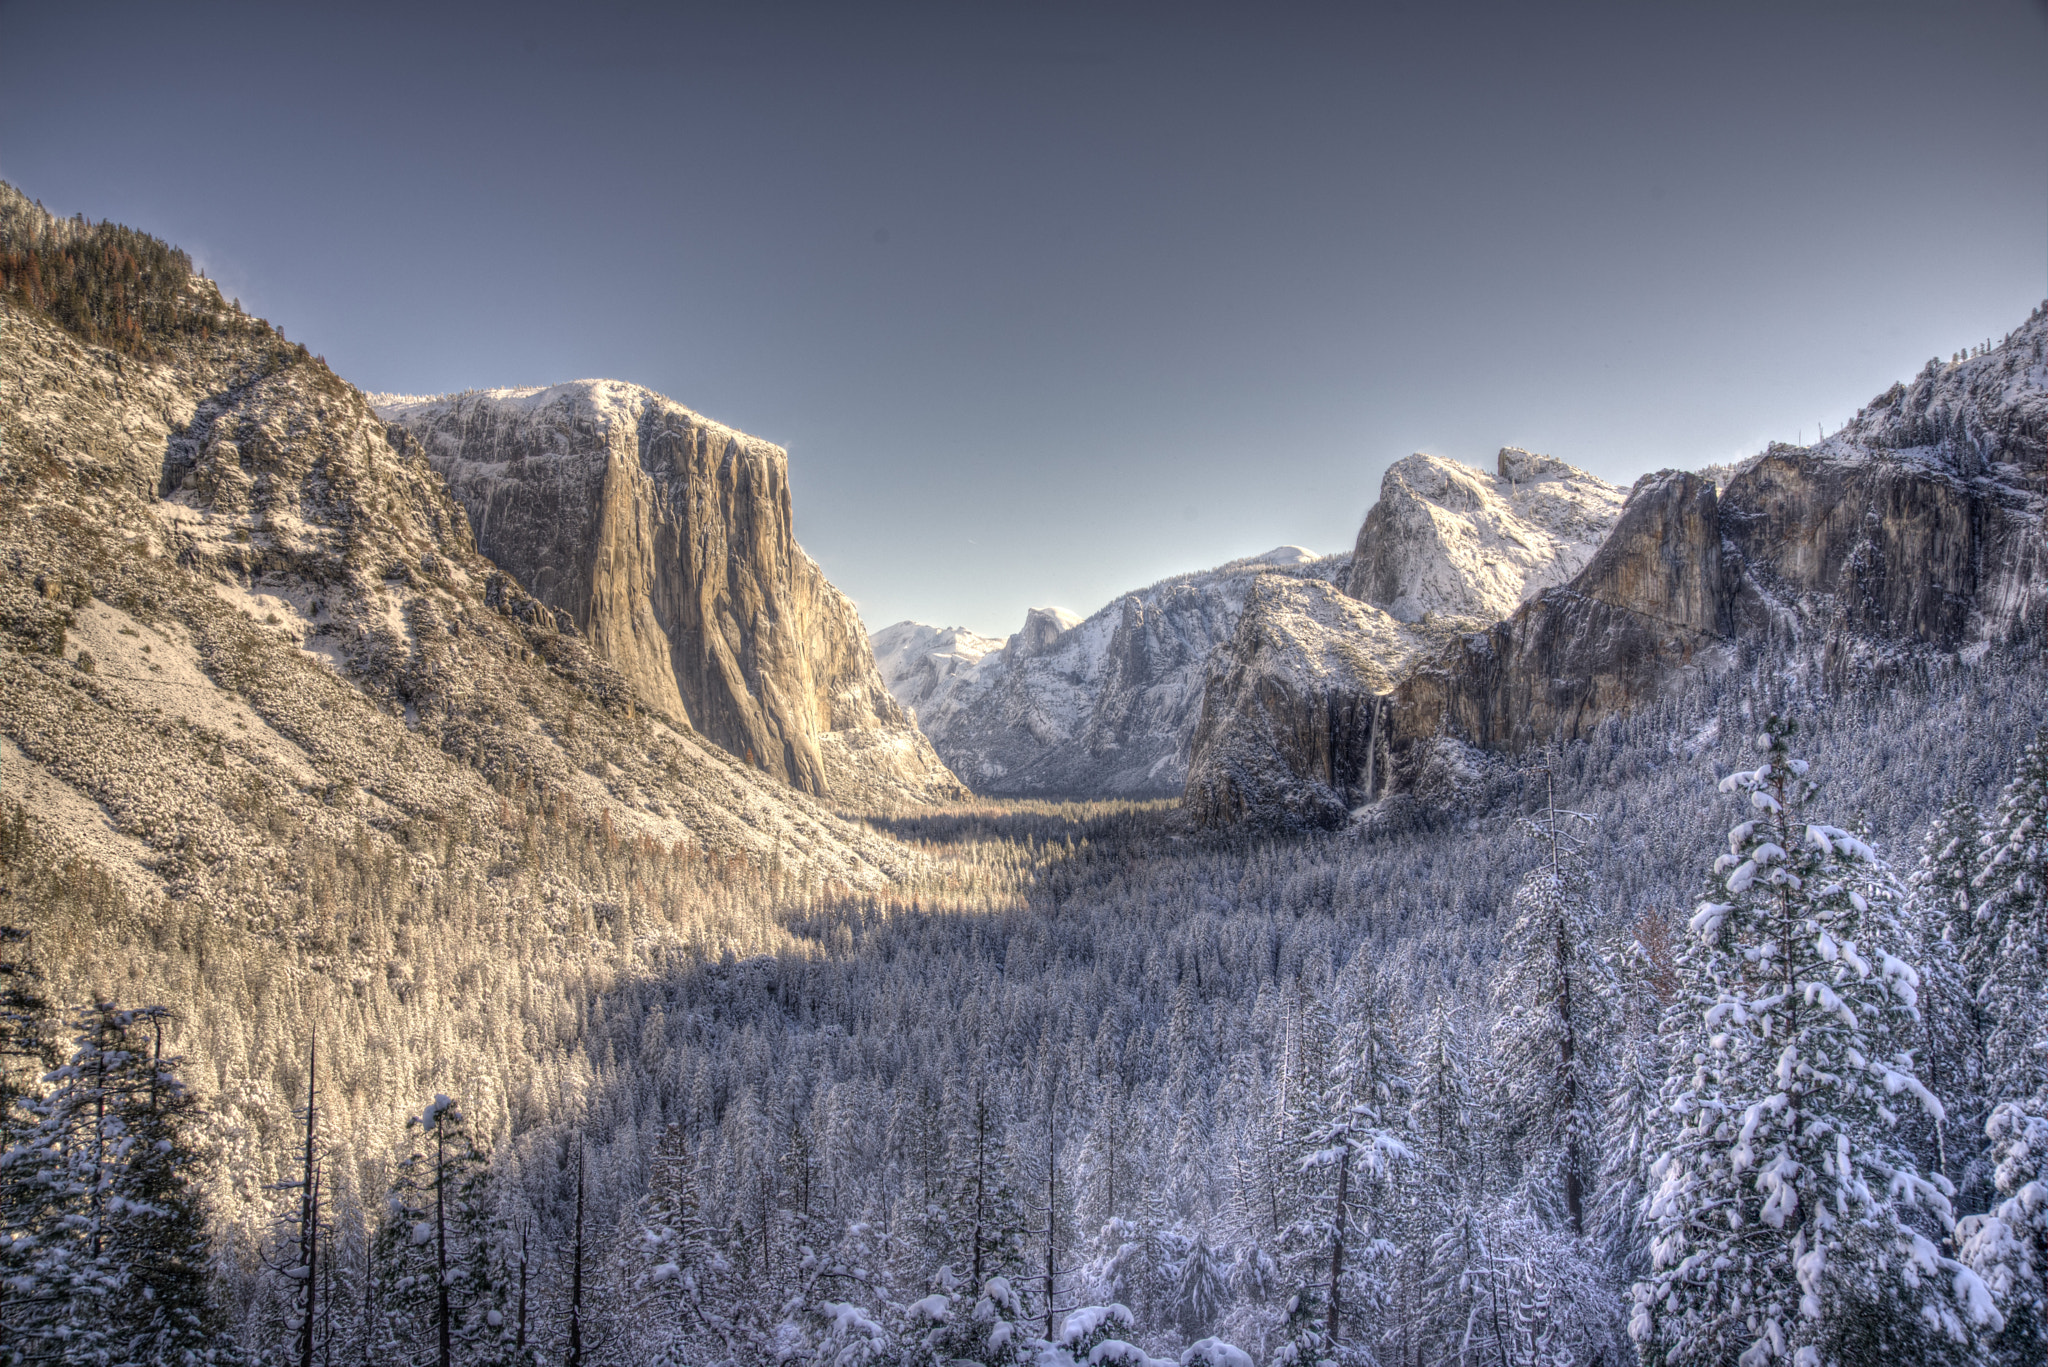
<point x="1652" y="602"/>
<point x="667" y="540"/>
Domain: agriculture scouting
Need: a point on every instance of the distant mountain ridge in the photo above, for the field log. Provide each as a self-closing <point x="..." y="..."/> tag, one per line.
<point x="1111" y="705"/>
<point x="1068" y="706"/>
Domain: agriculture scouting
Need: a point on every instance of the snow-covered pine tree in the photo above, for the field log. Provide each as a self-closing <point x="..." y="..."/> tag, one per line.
<point x="1357" y="1140"/>
<point x="437" y="1264"/>
<point x="156" y="1212"/>
<point x="975" y="1312"/>
<point x="27" y="1049"/>
<point x="2008" y="956"/>
<point x="1950" y="1048"/>
<point x="678" y="1266"/>
<point x="1442" y="1108"/>
<point x="1200" y="1291"/>
<point x="1549" y="999"/>
<point x="1640" y="970"/>
<point x="1780" y="1222"/>
<point x="117" y="1236"/>
<point x="2008" y="1245"/>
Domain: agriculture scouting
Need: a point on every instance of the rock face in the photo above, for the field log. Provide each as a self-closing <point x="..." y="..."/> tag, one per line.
<point x="1916" y="529"/>
<point x="1652" y="602"/>
<point x="1448" y="540"/>
<point x="1289" y="733"/>
<point x="237" y="622"/>
<point x="1070" y="707"/>
<point x="1294" y="728"/>
<point x="666" y="539"/>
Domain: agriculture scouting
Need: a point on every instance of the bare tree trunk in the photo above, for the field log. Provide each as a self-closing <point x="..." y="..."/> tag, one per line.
<point x="1337" y="1243"/>
<point x="309" y="1209"/>
<point x="441" y="1239"/>
<point x="576" y="1275"/>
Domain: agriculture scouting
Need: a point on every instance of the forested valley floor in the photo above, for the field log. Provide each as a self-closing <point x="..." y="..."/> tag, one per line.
<point x="1083" y="1086"/>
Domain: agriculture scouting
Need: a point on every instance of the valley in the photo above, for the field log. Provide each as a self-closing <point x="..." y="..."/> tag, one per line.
<point x="1303" y="959"/>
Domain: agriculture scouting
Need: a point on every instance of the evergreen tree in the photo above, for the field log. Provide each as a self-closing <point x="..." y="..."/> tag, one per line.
<point x="1357" y="1139"/>
<point x="1549" y="996"/>
<point x="2008" y="1245"/>
<point x="1950" y="1048"/>
<point x="439" y="1266"/>
<point x="27" y="1049"/>
<point x="2008" y="956"/>
<point x="680" y="1271"/>
<point x="1781" y="1219"/>
<point x="116" y="1242"/>
<point x="1634" y="1088"/>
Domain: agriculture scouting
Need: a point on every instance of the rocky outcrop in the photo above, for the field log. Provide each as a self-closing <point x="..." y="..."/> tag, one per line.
<point x="1102" y="706"/>
<point x="666" y="539"/>
<point x="1446" y="540"/>
<point x="238" y="624"/>
<point x="1916" y="530"/>
<point x="1295" y="721"/>
<point x="1652" y="603"/>
<point x="1291" y="732"/>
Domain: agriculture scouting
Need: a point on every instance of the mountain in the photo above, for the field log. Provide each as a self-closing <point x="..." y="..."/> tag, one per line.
<point x="239" y="621"/>
<point x="667" y="540"/>
<point x="1910" y="539"/>
<point x="1104" y="706"/>
<point x="1447" y="540"/>
<point x="1290" y="731"/>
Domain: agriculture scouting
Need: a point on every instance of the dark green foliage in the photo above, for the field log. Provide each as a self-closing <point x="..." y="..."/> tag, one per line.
<point x="106" y="284"/>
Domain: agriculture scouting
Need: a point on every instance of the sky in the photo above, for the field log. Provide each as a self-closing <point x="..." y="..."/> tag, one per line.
<point x="1048" y="302"/>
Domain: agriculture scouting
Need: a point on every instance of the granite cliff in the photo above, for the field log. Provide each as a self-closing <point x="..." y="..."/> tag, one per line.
<point x="666" y="539"/>
<point x="241" y="628"/>
<point x="1914" y="533"/>
<point x="1445" y="539"/>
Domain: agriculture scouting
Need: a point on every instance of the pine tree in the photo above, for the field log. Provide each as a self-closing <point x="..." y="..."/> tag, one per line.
<point x="1781" y="1220"/>
<point x="1634" y="1090"/>
<point x="678" y="1265"/>
<point x="2008" y="1245"/>
<point x="1549" y="997"/>
<point x="2008" y="956"/>
<point x="1356" y="1140"/>
<point x="27" y="1048"/>
<point x="438" y="1264"/>
<point x="1950" y="1048"/>
<point x="117" y="1241"/>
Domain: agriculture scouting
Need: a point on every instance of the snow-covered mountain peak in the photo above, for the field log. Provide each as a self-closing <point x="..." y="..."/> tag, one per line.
<point x="1042" y="628"/>
<point x="1450" y="540"/>
<point x="597" y="405"/>
<point x="1980" y="409"/>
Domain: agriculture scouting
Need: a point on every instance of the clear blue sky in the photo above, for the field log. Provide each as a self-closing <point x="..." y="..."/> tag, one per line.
<point x="1048" y="302"/>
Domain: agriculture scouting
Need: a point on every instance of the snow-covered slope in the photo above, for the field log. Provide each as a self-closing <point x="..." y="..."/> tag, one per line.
<point x="1105" y="705"/>
<point x="1451" y="541"/>
<point x="667" y="539"/>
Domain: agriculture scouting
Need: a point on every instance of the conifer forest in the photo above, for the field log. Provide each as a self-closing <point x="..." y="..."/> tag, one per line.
<point x="1715" y="1030"/>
